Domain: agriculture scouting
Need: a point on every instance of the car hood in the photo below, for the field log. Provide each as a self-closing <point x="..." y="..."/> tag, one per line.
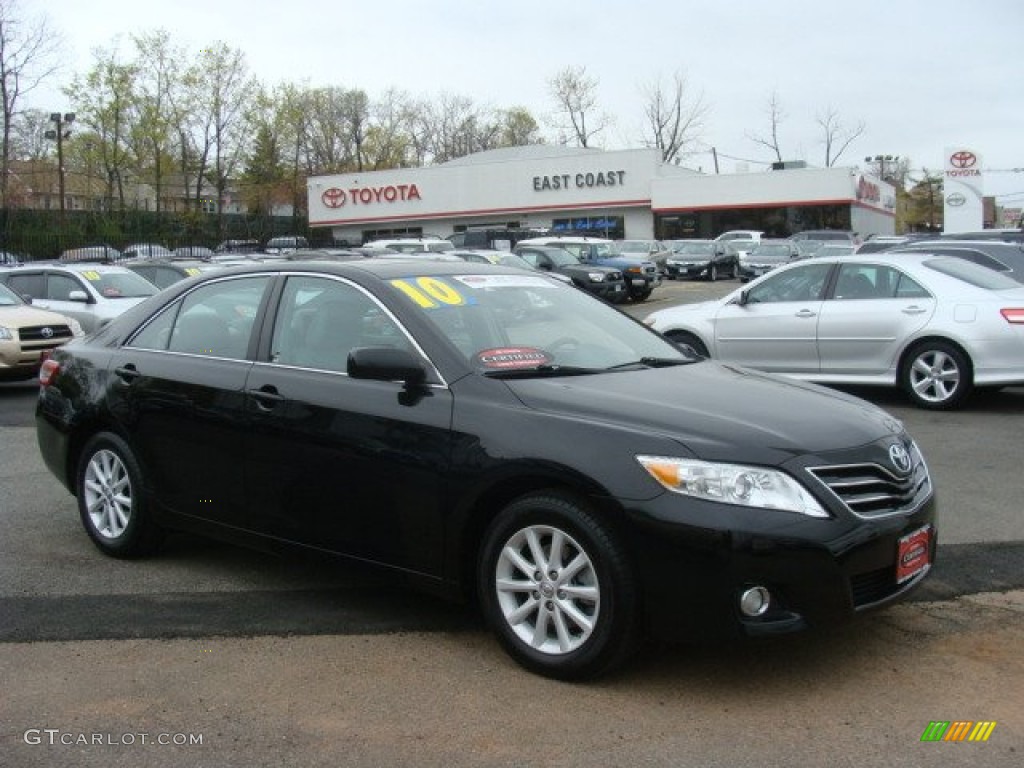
<point x="24" y="315"/>
<point x="717" y="411"/>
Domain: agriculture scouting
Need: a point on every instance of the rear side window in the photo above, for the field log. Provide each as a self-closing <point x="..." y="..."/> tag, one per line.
<point x="972" y="274"/>
<point x="27" y="285"/>
<point x="976" y="257"/>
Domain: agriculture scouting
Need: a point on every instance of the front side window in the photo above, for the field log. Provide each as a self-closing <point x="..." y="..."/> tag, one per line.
<point x="320" y="320"/>
<point x="804" y="283"/>
<point x="60" y="287"/>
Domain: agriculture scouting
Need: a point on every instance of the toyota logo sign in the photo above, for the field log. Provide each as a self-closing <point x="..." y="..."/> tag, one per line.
<point x="47" y="332"/>
<point x="955" y="199"/>
<point x="963" y="159"/>
<point x="333" y="197"/>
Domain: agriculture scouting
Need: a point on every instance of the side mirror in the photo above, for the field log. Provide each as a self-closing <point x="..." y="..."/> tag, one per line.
<point x="743" y="299"/>
<point x="386" y="364"/>
<point x="27" y="298"/>
<point x="81" y="296"/>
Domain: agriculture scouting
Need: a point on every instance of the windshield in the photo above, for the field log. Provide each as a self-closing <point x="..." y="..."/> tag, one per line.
<point x="9" y="298"/>
<point x="771" y="253"/>
<point x="634" y="246"/>
<point x="699" y="248"/>
<point x="119" y="285"/>
<point x="522" y="324"/>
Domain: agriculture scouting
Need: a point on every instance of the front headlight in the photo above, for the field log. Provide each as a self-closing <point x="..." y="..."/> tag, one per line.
<point x="76" y="327"/>
<point x="6" y="334"/>
<point x="597" y="277"/>
<point x="732" y="484"/>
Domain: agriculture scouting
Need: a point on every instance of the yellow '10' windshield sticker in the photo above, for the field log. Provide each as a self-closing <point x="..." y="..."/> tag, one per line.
<point x="429" y="292"/>
<point x="433" y="292"/>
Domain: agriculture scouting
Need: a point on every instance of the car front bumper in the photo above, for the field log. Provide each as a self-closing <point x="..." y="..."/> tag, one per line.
<point x="817" y="572"/>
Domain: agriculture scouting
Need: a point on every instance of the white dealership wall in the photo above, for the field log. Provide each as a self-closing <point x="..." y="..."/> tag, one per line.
<point x="534" y="185"/>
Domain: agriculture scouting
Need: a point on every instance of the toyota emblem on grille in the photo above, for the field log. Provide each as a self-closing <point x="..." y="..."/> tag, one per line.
<point x="47" y="332"/>
<point x="899" y="457"/>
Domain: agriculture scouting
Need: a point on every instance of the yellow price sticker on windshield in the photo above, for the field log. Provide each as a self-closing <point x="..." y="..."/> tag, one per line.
<point x="429" y="292"/>
<point x="91" y="275"/>
<point x="191" y="271"/>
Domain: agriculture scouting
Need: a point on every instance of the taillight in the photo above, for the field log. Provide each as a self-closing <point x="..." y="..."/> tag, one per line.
<point x="48" y="371"/>
<point x="1014" y="315"/>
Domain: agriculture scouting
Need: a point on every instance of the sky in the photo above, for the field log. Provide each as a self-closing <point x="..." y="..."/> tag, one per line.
<point x="920" y="75"/>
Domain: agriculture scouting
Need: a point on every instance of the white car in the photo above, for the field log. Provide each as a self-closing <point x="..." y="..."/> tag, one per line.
<point x="937" y="326"/>
<point x="92" y="294"/>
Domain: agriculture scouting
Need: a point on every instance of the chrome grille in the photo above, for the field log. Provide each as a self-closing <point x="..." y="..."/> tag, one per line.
<point x="37" y="333"/>
<point x="871" y="490"/>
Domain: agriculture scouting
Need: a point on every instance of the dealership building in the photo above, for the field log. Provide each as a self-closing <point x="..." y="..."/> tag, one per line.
<point x="616" y="194"/>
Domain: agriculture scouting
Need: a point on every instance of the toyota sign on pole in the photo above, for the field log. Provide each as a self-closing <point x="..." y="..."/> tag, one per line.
<point x="963" y="189"/>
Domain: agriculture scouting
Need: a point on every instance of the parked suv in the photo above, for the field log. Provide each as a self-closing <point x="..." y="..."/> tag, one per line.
<point x="606" y="282"/>
<point x="27" y="334"/>
<point x="286" y="244"/>
<point x="641" y="275"/>
<point x="413" y="245"/>
<point x="498" y="239"/>
<point x="93" y="294"/>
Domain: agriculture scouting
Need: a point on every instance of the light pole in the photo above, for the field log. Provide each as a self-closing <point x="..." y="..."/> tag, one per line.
<point x="61" y="132"/>
<point x="881" y="160"/>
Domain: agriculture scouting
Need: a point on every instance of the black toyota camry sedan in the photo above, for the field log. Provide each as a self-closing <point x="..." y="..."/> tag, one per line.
<point x="498" y="435"/>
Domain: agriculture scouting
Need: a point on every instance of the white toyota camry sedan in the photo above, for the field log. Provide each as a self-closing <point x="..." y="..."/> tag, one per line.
<point x="937" y="326"/>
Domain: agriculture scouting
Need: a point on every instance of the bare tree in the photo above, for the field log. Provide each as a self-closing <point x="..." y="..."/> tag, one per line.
<point x="156" y="119"/>
<point x="675" y="117"/>
<point x="775" y="118"/>
<point x="575" y="96"/>
<point x="28" y="55"/>
<point x="389" y="141"/>
<point x="224" y="95"/>
<point x="837" y="137"/>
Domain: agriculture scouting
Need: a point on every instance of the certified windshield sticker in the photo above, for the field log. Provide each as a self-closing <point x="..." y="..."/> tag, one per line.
<point x="504" y="358"/>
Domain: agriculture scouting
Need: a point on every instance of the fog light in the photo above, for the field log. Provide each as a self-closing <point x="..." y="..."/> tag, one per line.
<point x="755" y="601"/>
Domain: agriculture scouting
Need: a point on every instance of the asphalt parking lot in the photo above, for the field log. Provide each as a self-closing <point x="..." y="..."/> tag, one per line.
<point x="210" y="655"/>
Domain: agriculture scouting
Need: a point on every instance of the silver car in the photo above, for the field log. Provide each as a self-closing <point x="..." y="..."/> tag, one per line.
<point x="937" y="326"/>
<point x="93" y="294"/>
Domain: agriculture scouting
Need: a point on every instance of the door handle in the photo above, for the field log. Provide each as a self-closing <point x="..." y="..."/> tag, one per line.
<point x="266" y="397"/>
<point x="914" y="310"/>
<point x="806" y="313"/>
<point x="127" y="373"/>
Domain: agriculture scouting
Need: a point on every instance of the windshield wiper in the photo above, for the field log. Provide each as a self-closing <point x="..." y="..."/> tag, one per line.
<point x="542" y="371"/>
<point x="652" y="362"/>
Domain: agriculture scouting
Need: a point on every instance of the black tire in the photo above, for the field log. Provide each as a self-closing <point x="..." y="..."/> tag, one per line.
<point x="936" y="375"/>
<point x="642" y="295"/>
<point x="735" y="271"/>
<point x="560" y="624"/>
<point x="685" y="338"/>
<point x="712" y="272"/>
<point x="111" y="500"/>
